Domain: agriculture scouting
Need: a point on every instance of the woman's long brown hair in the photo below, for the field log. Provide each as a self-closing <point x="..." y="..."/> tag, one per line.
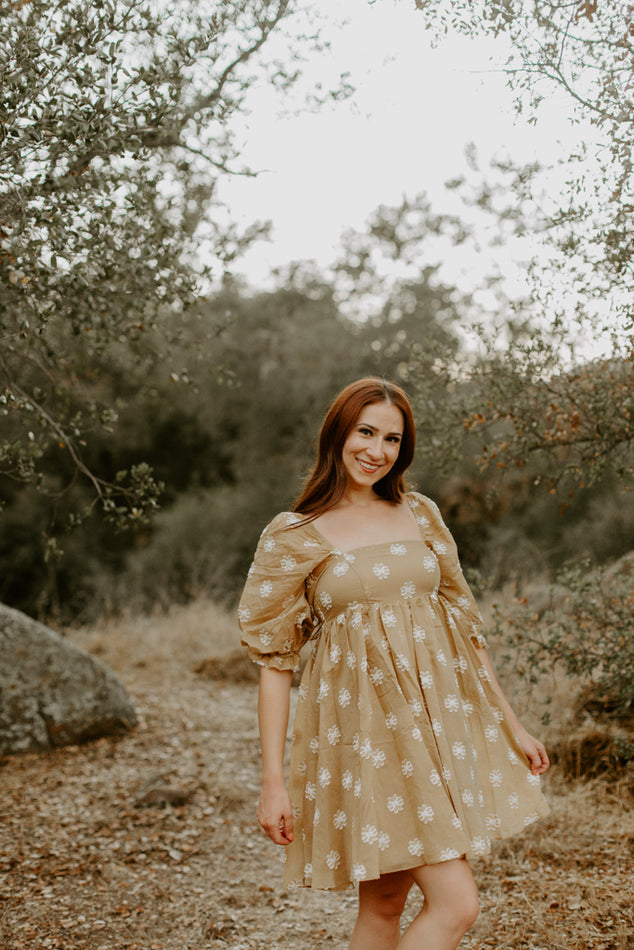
<point x="327" y="482"/>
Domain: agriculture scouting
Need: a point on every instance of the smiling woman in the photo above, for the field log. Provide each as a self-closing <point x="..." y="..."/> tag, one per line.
<point x="407" y="758"/>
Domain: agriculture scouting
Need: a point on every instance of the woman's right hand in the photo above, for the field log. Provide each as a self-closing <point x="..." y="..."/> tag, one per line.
<point x="275" y="815"/>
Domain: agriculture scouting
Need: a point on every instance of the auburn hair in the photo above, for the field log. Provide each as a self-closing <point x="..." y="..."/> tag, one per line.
<point x="327" y="481"/>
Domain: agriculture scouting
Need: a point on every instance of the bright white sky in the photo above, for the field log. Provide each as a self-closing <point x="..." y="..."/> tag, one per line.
<point x="403" y="132"/>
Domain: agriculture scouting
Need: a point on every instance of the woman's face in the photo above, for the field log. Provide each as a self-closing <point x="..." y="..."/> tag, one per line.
<point x="372" y="445"/>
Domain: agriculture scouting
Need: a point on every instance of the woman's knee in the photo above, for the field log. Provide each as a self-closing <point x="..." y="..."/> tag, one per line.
<point x="386" y="896"/>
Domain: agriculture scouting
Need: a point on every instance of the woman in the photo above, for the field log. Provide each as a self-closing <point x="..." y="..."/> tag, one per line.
<point x="406" y="756"/>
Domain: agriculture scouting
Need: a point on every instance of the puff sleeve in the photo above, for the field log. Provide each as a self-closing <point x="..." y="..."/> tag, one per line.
<point x="274" y="614"/>
<point x="454" y="593"/>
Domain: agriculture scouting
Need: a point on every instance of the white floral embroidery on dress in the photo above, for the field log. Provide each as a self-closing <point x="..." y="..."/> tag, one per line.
<point x="335" y="653"/>
<point x="492" y="822"/>
<point x="334" y="735"/>
<point x="340" y="819"/>
<point x="378" y="758"/>
<point x="426" y="679"/>
<point x="446" y="773"/>
<point x="316" y="817"/>
<point x="495" y="778"/>
<point x="244" y="613"/>
<point x="391" y="721"/>
<point x="398" y="549"/>
<point x="416" y="707"/>
<point x="430" y="563"/>
<point x="439" y="547"/>
<point x="417" y="734"/>
<point x="467" y="797"/>
<point x="407" y="768"/>
<point x="532" y="779"/>
<point x="395" y="804"/>
<point x="436" y="725"/>
<point x="324" y="776"/>
<point x="384" y="840"/>
<point x="356" y="791"/>
<point x="269" y="544"/>
<point x="467" y="708"/>
<point x="346" y="779"/>
<point x="381" y="571"/>
<point x="389" y="618"/>
<point x="425" y="813"/>
<point x="324" y="689"/>
<point x="442" y="659"/>
<point x="376" y="675"/>
<point x="288" y="564"/>
<point x="356" y="619"/>
<point x="491" y="733"/>
<point x="480" y="845"/>
<point x="408" y="590"/>
<point x="343" y="697"/>
<point x="341" y="568"/>
<point x="308" y="871"/>
<point x="358" y="873"/>
<point x="459" y="750"/>
<point x="369" y="834"/>
<point x="455" y="821"/>
<point x="266" y="589"/>
<point x="452" y="703"/>
<point x="333" y="860"/>
<point x="310" y="791"/>
<point x="434" y="777"/>
<point x="415" y="847"/>
<point x="265" y="639"/>
<point x="418" y="633"/>
<point x="366" y="749"/>
<point x="460" y="664"/>
<point x="351" y="660"/>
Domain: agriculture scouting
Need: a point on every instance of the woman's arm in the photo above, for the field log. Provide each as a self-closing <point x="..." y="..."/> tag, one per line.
<point x="534" y="750"/>
<point x="274" y="808"/>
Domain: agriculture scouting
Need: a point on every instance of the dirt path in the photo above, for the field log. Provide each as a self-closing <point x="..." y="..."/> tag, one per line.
<point x="149" y="843"/>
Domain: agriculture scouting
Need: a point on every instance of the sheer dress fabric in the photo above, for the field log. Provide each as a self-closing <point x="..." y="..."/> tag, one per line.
<point x="401" y="754"/>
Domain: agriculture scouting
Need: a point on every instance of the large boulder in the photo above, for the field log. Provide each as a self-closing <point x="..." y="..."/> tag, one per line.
<point x="51" y="692"/>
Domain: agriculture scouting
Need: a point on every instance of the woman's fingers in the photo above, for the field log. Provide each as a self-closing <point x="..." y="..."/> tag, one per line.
<point x="276" y="822"/>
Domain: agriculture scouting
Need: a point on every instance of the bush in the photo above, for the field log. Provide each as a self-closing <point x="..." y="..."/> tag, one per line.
<point x="585" y="629"/>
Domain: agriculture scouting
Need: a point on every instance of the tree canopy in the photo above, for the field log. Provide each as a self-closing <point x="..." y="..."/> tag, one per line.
<point x="117" y="125"/>
<point x="557" y="383"/>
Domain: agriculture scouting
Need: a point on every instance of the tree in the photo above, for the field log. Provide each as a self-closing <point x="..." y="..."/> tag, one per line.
<point x="540" y="387"/>
<point x="116" y="122"/>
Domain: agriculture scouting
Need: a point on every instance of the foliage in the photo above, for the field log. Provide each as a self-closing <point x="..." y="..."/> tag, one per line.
<point x="116" y="129"/>
<point x="585" y="629"/>
<point x="557" y="382"/>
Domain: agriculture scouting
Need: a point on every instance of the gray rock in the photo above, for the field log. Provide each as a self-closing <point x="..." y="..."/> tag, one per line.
<point x="51" y="692"/>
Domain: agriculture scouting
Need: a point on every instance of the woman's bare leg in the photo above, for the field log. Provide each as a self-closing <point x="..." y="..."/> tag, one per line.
<point x="381" y="904"/>
<point x="450" y="908"/>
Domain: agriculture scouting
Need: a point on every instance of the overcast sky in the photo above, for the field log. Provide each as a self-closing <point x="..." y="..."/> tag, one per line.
<point x="404" y="131"/>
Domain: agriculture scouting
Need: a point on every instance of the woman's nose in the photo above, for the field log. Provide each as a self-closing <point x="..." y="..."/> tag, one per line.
<point x="375" y="449"/>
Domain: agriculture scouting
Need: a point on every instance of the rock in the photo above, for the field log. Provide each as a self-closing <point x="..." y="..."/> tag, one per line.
<point x="51" y="692"/>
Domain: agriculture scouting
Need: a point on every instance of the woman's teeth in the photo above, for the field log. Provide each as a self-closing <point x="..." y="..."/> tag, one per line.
<point x="367" y="467"/>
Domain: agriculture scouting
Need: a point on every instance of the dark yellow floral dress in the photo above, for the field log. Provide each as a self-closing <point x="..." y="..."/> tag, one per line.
<point x="401" y="753"/>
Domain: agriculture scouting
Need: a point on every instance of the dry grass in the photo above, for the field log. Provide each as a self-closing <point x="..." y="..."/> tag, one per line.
<point x="149" y="842"/>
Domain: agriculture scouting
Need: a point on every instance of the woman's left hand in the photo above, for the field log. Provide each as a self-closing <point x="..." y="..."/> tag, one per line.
<point x="534" y="750"/>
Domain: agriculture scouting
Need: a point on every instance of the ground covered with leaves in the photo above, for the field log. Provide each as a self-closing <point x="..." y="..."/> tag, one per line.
<point x="149" y="842"/>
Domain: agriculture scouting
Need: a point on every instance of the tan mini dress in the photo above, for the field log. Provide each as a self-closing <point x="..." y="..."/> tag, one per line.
<point x="401" y="754"/>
